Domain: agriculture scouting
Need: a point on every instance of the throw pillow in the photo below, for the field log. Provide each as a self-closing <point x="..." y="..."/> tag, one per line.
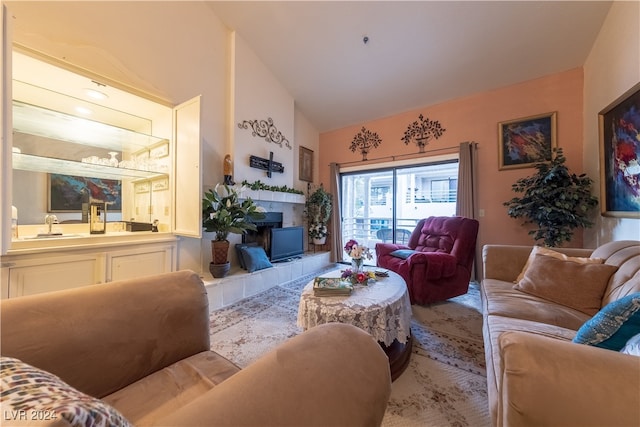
<point x="46" y="397"/>
<point x="575" y="285"/>
<point x="632" y="347"/>
<point x="239" y="246"/>
<point x="614" y="325"/>
<point x="402" y="253"/>
<point x="255" y="258"/>
<point x="545" y="251"/>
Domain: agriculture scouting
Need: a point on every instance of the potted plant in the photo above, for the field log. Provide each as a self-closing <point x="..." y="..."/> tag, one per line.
<point x="222" y="213"/>
<point x="318" y="210"/>
<point x="554" y="199"/>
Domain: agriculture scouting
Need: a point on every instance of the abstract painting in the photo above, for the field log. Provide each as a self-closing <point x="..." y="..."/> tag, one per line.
<point x="526" y="141"/>
<point x="67" y="193"/>
<point x="619" y="153"/>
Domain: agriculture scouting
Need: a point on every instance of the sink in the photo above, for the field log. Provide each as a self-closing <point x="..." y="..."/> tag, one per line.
<point x="52" y="236"/>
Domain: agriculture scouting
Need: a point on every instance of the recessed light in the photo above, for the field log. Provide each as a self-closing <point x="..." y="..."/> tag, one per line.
<point x="84" y="111"/>
<point x="95" y="94"/>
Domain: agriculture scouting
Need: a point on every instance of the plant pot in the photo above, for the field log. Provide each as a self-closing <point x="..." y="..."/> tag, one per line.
<point x="219" y="270"/>
<point x="219" y="251"/>
<point x="320" y="240"/>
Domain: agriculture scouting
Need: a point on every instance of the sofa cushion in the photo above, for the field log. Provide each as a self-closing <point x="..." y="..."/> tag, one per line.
<point x="576" y="285"/>
<point x="614" y="325"/>
<point x="255" y="258"/>
<point x="239" y="247"/>
<point x="167" y="390"/>
<point x="29" y="389"/>
<point x="549" y="252"/>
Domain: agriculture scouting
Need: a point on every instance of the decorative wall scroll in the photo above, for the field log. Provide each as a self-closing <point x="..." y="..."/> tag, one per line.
<point x="365" y="140"/>
<point x="267" y="130"/>
<point x="620" y="156"/>
<point x="526" y="141"/>
<point x="423" y="131"/>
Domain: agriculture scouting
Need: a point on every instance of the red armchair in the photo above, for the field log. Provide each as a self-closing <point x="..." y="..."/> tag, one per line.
<point x="436" y="263"/>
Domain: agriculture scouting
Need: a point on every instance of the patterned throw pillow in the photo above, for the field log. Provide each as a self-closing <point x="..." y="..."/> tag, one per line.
<point x="32" y="394"/>
<point x="614" y="325"/>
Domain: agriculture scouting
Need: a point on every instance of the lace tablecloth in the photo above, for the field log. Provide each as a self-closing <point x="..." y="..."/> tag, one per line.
<point x="381" y="308"/>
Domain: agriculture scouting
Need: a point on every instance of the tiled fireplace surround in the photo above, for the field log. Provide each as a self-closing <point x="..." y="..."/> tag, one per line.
<point x="239" y="284"/>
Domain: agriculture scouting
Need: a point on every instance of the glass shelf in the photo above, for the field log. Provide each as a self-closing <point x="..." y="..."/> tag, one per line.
<point x="33" y="120"/>
<point x="33" y="163"/>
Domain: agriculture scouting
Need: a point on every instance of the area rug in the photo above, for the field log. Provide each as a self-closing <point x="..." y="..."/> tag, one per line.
<point x="444" y="384"/>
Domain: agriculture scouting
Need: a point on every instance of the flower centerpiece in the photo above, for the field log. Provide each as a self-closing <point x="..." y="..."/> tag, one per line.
<point x="357" y="253"/>
<point x="358" y="278"/>
<point x="223" y="212"/>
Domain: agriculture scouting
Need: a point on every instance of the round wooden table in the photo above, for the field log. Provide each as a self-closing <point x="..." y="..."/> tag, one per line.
<point x="381" y="308"/>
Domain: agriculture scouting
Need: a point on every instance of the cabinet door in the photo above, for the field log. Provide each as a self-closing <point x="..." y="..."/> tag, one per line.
<point x="5" y="129"/>
<point x="144" y="261"/>
<point x="187" y="171"/>
<point x="55" y="275"/>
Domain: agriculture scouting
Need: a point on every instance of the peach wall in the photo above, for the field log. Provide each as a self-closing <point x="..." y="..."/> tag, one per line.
<point x="475" y="118"/>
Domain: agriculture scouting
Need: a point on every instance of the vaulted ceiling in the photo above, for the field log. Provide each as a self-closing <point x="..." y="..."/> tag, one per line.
<point x="349" y="62"/>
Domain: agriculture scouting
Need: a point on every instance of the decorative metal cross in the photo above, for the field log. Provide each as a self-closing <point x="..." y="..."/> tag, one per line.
<point x="266" y="164"/>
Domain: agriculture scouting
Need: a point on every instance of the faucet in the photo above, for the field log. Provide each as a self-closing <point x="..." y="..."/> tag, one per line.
<point x="49" y="220"/>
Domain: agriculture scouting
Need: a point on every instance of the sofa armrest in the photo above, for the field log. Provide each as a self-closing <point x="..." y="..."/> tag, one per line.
<point x="550" y="382"/>
<point x="333" y="374"/>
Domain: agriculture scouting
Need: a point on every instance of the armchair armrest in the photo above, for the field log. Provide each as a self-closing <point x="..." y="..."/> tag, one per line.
<point x="438" y="264"/>
<point x="550" y="382"/>
<point x="332" y="374"/>
<point x="387" y="248"/>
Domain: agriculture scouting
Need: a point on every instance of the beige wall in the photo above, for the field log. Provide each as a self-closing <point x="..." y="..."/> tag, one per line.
<point x="476" y="118"/>
<point x="612" y="68"/>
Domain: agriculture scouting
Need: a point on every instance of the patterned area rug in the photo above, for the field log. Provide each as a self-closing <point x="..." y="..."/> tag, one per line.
<point x="444" y="384"/>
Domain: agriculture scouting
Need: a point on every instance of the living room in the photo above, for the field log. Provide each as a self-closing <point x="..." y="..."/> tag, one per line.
<point x="174" y="51"/>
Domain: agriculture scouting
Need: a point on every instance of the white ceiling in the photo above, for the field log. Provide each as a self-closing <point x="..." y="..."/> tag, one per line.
<point x="419" y="53"/>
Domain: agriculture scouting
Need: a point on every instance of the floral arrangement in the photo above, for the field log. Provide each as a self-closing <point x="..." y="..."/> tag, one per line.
<point x="317" y="231"/>
<point x="357" y="251"/>
<point x="358" y="278"/>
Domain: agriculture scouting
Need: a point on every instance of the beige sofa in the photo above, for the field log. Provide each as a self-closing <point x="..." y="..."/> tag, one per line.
<point x="535" y="375"/>
<point x="142" y="347"/>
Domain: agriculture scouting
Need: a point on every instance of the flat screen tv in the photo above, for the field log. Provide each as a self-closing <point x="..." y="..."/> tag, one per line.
<point x="286" y="243"/>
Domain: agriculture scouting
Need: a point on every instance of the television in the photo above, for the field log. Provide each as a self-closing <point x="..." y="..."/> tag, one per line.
<point x="286" y="243"/>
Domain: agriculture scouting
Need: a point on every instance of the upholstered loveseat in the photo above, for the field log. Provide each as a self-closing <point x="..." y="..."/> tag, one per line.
<point x="536" y="374"/>
<point x="142" y="348"/>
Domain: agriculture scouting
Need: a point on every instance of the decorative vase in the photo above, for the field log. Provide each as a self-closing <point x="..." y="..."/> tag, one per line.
<point x="357" y="265"/>
<point x="219" y="270"/>
<point x="320" y="240"/>
<point x="219" y="251"/>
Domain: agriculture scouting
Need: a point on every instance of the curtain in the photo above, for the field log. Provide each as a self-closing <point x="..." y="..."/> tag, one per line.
<point x="468" y="188"/>
<point x="336" y="214"/>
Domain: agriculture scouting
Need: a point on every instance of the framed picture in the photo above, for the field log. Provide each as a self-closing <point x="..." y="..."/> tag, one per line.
<point x="67" y="193"/>
<point x="305" y="165"/>
<point x="619" y="125"/>
<point x="526" y="141"/>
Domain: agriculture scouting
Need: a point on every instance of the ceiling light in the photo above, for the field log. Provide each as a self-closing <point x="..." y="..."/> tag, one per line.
<point x="95" y="94"/>
<point x="84" y="111"/>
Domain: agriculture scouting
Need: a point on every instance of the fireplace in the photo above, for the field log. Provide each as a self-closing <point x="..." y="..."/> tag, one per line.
<point x="263" y="236"/>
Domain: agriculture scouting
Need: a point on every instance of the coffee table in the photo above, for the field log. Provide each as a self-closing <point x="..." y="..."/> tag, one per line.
<point x="381" y="308"/>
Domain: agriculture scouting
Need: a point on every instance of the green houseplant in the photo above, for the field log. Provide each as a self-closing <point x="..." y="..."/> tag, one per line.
<point x="223" y="212"/>
<point x="555" y="200"/>
<point x="318" y="211"/>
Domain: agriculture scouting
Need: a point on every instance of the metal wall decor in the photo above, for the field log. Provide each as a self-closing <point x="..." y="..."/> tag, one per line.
<point x="267" y="130"/>
<point x="266" y="164"/>
<point x="365" y="140"/>
<point x="423" y="131"/>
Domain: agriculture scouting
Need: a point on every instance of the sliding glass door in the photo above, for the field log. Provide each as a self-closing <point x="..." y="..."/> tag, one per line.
<point x="384" y="205"/>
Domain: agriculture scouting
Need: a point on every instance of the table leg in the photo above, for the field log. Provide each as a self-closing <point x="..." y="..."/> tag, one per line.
<point x="399" y="356"/>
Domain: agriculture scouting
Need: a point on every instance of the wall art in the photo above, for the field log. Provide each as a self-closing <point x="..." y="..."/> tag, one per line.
<point x="619" y="126"/>
<point x="365" y="140"/>
<point x="267" y="130"/>
<point x="67" y="193"/>
<point x="305" y="165"/>
<point x="526" y="141"/>
<point x="422" y="131"/>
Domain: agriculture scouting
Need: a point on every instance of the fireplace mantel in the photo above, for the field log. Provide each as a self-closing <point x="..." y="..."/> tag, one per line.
<point x="274" y="196"/>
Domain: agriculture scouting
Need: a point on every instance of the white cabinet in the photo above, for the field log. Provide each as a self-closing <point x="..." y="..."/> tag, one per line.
<point x="35" y="273"/>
